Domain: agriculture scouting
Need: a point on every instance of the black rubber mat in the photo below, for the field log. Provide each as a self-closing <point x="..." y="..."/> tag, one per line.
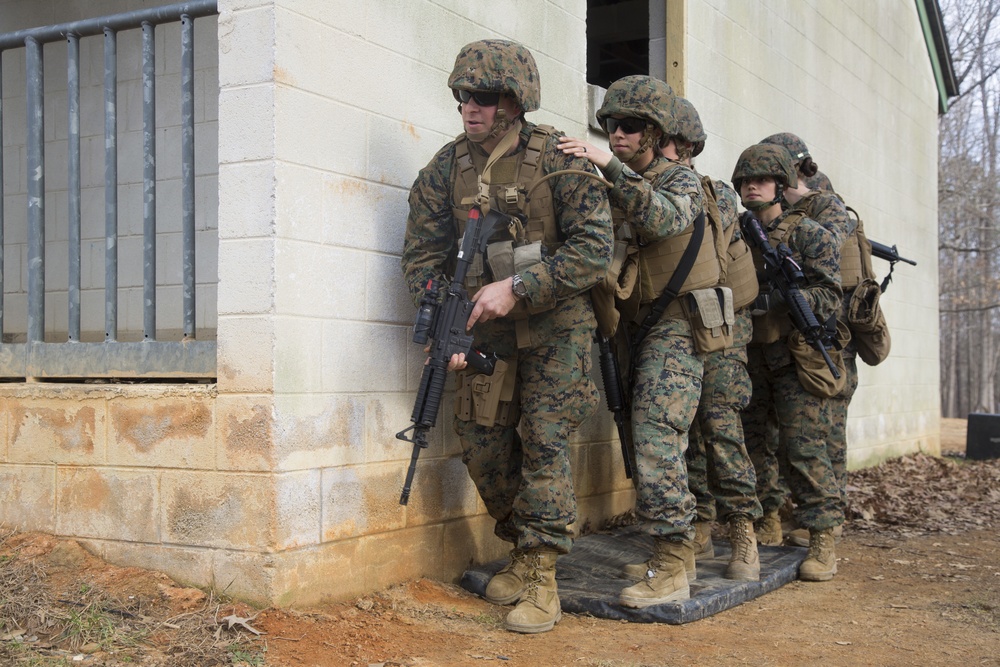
<point x="590" y="579"/>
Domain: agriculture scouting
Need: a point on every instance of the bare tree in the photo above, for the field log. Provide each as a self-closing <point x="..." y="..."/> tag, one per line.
<point x="969" y="212"/>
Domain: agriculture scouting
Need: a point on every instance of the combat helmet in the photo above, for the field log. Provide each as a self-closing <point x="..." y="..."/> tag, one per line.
<point x="795" y="146"/>
<point x="762" y="160"/>
<point x="689" y="127"/>
<point x="498" y="66"/>
<point x="640" y="96"/>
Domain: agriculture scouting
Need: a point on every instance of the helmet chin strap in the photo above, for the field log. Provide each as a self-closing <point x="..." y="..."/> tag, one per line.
<point x="647" y="141"/>
<point x="756" y="206"/>
<point x="501" y="123"/>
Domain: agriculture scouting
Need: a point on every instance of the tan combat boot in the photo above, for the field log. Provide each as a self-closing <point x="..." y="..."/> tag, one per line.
<point x="666" y="580"/>
<point x="800" y="536"/>
<point x="538" y="610"/>
<point x="703" y="547"/>
<point x="507" y="585"/>
<point x="637" y="571"/>
<point x="821" y="563"/>
<point x="744" y="562"/>
<point x="769" y="529"/>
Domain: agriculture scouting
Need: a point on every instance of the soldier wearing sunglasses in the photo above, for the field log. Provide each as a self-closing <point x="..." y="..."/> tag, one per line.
<point x="532" y="310"/>
<point x="656" y="201"/>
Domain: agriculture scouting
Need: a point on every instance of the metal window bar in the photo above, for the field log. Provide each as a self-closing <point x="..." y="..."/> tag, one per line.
<point x="150" y="358"/>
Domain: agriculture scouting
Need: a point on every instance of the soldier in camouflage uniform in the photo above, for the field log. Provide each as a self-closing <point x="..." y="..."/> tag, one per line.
<point x="804" y="419"/>
<point x="539" y="320"/>
<point x="657" y="199"/>
<point x="829" y="210"/>
<point x="720" y="473"/>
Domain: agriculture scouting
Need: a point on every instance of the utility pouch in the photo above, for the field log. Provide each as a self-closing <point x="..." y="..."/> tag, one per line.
<point x="767" y="324"/>
<point x="604" y="294"/>
<point x="811" y="368"/>
<point x="474" y="276"/>
<point x="500" y="257"/>
<point x="489" y="400"/>
<point x="711" y="315"/>
<point x="867" y="322"/>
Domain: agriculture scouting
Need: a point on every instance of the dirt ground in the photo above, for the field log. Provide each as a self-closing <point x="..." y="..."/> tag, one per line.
<point x="917" y="585"/>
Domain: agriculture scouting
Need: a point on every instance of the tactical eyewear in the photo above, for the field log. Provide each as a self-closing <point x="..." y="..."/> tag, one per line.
<point x="482" y="98"/>
<point x="628" y="125"/>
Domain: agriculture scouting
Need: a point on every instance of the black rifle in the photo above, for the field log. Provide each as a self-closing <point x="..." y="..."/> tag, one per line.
<point x="891" y="255"/>
<point x="443" y="321"/>
<point x="785" y="275"/>
<point x="611" y="374"/>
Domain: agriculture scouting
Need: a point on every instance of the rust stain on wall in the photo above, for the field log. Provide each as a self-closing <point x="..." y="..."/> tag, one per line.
<point x="195" y="516"/>
<point x="72" y="430"/>
<point x="252" y="435"/>
<point x="145" y="427"/>
<point x="88" y="491"/>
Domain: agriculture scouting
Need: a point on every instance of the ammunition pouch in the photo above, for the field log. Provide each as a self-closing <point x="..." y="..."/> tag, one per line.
<point x="867" y="322"/>
<point x="850" y="263"/>
<point x="770" y="324"/>
<point x="489" y="400"/>
<point x="814" y="374"/>
<point x="711" y="315"/>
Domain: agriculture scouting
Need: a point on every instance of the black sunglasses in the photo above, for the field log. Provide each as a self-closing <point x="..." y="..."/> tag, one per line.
<point x="482" y="98"/>
<point x="628" y="125"/>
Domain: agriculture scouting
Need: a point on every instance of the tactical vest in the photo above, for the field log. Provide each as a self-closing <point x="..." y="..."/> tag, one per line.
<point x="659" y="260"/>
<point x="510" y="178"/>
<point x="771" y="326"/>
<point x="855" y="257"/>
<point x="741" y="274"/>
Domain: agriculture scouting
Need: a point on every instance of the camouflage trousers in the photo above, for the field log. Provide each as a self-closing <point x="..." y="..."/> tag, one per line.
<point x="838" y="427"/>
<point x="523" y="474"/>
<point x="667" y="377"/>
<point x="720" y="474"/>
<point x="803" y="426"/>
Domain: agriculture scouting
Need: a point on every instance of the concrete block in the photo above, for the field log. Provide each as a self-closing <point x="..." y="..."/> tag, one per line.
<point x="390" y="558"/>
<point x="295" y="196"/>
<point x="319" y="282"/>
<point x="246" y="200"/>
<point x="68" y="430"/>
<point x="361" y="500"/>
<point x="162" y="431"/>
<point x="28" y="497"/>
<point x="297" y="509"/>
<point x="319" y="430"/>
<point x="246" y="277"/>
<point x="246" y="44"/>
<point x="296" y="343"/>
<point x="298" y="114"/>
<point x="442" y="490"/>
<point x="223" y="510"/>
<point x="363" y="357"/>
<point x="332" y="572"/>
<point x="470" y="541"/>
<point x="247" y="123"/>
<point x="186" y="566"/>
<point x="108" y="503"/>
<point x="346" y="201"/>
<point x="387" y="415"/>
<point x="247" y="576"/>
<point x="245" y="432"/>
<point x="387" y="299"/>
<point x="245" y="356"/>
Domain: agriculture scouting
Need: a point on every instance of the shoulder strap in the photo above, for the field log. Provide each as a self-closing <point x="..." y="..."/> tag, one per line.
<point x="675" y="283"/>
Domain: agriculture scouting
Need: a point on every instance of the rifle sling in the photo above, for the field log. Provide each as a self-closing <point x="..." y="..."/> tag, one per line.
<point x="676" y="282"/>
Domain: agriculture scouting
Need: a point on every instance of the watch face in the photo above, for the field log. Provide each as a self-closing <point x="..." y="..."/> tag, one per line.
<point x="518" y="288"/>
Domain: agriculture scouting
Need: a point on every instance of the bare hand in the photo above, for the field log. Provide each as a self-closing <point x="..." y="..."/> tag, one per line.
<point x="580" y="148"/>
<point x="456" y="363"/>
<point x="492" y="301"/>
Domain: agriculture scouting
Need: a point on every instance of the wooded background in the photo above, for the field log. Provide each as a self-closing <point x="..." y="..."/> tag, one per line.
<point x="969" y="212"/>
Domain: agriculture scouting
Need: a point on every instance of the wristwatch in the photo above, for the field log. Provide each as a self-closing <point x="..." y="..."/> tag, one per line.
<point x="518" y="288"/>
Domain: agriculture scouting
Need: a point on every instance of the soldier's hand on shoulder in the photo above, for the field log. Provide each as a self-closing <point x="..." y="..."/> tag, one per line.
<point x="581" y="148"/>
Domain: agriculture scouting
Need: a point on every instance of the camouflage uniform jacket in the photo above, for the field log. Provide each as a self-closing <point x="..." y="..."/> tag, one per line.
<point x="660" y="209"/>
<point x="582" y="215"/>
<point x="815" y="250"/>
<point x="828" y="210"/>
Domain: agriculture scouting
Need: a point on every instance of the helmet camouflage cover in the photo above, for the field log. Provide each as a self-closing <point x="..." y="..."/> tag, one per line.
<point x="795" y="146"/>
<point x="641" y="96"/>
<point x="762" y="160"/>
<point x="498" y="66"/>
<point x="688" y="123"/>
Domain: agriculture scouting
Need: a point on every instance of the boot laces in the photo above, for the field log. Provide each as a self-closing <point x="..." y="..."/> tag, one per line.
<point x="740" y="540"/>
<point x="818" y="543"/>
<point x="517" y="558"/>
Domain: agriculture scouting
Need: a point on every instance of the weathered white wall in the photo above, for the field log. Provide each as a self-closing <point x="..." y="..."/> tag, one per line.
<point x="21" y="14"/>
<point x="853" y="80"/>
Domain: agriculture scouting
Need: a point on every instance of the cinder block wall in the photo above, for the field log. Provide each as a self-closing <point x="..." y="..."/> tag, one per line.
<point x="854" y="80"/>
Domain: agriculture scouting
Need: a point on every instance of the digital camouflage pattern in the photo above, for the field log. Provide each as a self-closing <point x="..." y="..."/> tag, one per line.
<point x="525" y="480"/>
<point x="689" y="127"/>
<point x="837" y="444"/>
<point x="498" y="66"/>
<point x="762" y="160"/>
<point x="828" y="210"/>
<point x="640" y="96"/>
<point x="819" y="181"/>
<point x="804" y="421"/>
<point x="667" y="370"/>
<point x="795" y="146"/>
<point x="720" y="473"/>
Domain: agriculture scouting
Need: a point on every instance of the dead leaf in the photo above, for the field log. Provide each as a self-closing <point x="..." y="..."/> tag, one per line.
<point x="234" y="620"/>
